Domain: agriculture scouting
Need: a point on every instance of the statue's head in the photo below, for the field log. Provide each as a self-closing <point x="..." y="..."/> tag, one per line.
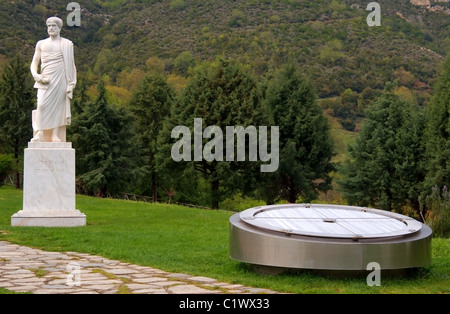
<point x="54" y="25"/>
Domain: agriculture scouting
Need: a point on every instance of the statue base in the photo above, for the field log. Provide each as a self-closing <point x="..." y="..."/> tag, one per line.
<point x="49" y="187"/>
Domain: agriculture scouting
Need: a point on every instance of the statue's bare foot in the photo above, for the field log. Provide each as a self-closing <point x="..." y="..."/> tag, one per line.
<point x="56" y="139"/>
<point x="38" y="138"/>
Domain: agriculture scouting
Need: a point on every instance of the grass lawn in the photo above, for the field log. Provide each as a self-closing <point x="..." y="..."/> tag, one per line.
<point x="4" y="291"/>
<point x="193" y="241"/>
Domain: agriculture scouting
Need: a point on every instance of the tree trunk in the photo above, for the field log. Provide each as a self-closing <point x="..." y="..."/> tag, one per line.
<point x="292" y="197"/>
<point x="101" y="193"/>
<point x="215" y="194"/>
<point x="415" y="204"/>
<point x="154" y="188"/>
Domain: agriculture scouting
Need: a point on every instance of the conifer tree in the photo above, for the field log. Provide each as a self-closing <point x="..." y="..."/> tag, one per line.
<point x="306" y="146"/>
<point x="384" y="168"/>
<point x="80" y="98"/>
<point x="151" y="106"/>
<point x="16" y="105"/>
<point x="104" y="141"/>
<point x="437" y="134"/>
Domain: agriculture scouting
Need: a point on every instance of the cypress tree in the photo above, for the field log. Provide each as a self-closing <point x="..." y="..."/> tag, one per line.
<point x="16" y="105"/>
<point x="80" y="98"/>
<point x="384" y="168"/>
<point x="437" y="134"/>
<point x="306" y="146"/>
<point x="106" y="155"/>
<point x="151" y="106"/>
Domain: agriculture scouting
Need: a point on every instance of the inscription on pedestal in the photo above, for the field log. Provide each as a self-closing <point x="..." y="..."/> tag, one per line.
<point x="45" y="166"/>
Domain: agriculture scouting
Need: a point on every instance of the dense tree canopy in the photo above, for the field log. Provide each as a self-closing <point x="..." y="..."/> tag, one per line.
<point x="105" y="144"/>
<point x="151" y="105"/>
<point x="401" y="153"/>
<point x="438" y="133"/>
<point x="384" y="168"/>
<point x="306" y="146"/>
<point x="16" y="104"/>
<point x="222" y="94"/>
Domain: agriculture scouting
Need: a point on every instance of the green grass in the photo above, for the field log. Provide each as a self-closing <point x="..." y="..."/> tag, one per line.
<point x="5" y="291"/>
<point x="341" y="137"/>
<point x="193" y="241"/>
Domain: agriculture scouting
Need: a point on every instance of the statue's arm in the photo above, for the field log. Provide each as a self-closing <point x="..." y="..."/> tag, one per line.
<point x="73" y="82"/>
<point x="35" y="64"/>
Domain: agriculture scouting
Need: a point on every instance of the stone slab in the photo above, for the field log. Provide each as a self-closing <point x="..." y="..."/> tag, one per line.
<point x="190" y="289"/>
<point x="22" y="220"/>
<point x="49" y="145"/>
<point x="136" y="286"/>
<point x="202" y="279"/>
<point x="150" y="291"/>
<point x="122" y="271"/>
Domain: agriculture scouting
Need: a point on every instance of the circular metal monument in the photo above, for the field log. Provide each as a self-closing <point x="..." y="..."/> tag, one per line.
<point x="328" y="237"/>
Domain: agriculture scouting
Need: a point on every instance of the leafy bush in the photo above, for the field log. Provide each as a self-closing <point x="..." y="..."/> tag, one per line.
<point x="238" y="203"/>
<point x="238" y="18"/>
<point x="439" y="212"/>
<point x="348" y="124"/>
<point x="177" y="5"/>
<point x="183" y="62"/>
<point x="6" y="167"/>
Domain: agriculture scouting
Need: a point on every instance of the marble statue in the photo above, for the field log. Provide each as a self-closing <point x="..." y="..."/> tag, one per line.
<point x="54" y="84"/>
<point x="49" y="189"/>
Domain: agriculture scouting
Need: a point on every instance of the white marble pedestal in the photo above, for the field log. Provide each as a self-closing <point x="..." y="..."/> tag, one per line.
<point x="49" y="187"/>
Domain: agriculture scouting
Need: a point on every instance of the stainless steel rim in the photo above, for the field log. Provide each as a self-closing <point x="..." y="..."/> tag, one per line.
<point x="256" y="244"/>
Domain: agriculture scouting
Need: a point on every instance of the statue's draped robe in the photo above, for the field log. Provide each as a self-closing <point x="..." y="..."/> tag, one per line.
<point x="53" y="108"/>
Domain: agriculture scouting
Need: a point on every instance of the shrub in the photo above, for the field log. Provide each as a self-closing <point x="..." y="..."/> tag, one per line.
<point x="177" y="5"/>
<point x="438" y="217"/>
<point x="348" y="124"/>
<point x="238" y="18"/>
<point x="238" y="203"/>
<point x="6" y="167"/>
<point x="183" y="62"/>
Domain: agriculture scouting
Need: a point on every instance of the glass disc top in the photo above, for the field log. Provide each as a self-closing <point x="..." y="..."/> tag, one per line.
<point x="330" y="221"/>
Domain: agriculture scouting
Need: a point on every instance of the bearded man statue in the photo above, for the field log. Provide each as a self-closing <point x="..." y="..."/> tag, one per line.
<point x="54" y="84"/>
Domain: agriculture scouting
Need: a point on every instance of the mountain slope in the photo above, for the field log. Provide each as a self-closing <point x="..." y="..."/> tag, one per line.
<point x="330" y="40"/>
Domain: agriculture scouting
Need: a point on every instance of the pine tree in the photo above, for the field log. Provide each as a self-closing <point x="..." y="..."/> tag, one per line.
<point x="16" y="105"/>
<point x="151" y="106"/>
<point x="306" y="146"/>
<point x="80" y="98"/>
<point x="384" y="166"/>
<point x="437" y="134"/>
<point x="104" y="141"/>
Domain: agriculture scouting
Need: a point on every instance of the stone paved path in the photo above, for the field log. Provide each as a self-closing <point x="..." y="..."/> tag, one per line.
<point x="24" y="269"/>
